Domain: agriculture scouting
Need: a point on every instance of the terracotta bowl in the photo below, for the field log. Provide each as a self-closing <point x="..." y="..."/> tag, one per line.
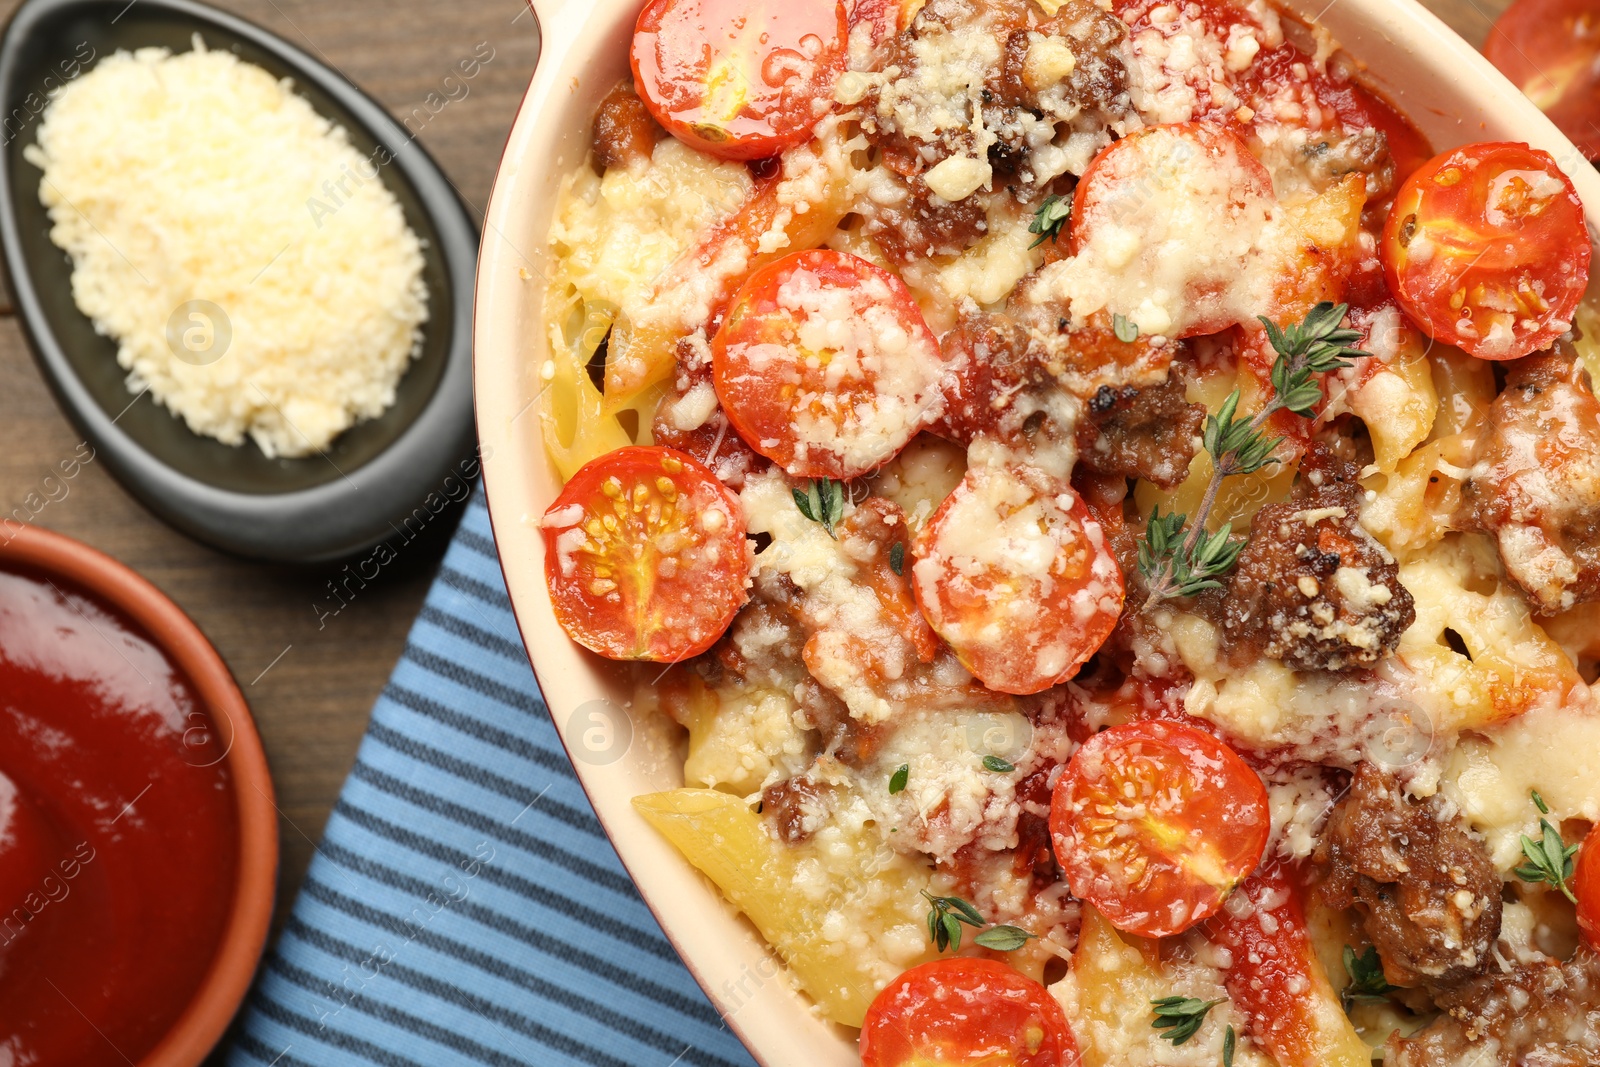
<point x="1446" y="87"/>
<point x="222" y="990"/>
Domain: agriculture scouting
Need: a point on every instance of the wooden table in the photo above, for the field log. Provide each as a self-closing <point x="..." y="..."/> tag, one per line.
<point x="1470" y="18"/>
<point x="311" y="688"/>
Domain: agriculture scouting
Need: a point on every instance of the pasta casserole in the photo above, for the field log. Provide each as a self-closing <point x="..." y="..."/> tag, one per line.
<point x="1116" y="517"/>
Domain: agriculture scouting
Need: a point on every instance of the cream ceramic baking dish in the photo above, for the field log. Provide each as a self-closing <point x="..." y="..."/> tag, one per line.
<point x="1434" y="76"/>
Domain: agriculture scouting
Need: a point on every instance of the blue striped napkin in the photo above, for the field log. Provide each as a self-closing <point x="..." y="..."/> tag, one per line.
<point x="464" y="906"/>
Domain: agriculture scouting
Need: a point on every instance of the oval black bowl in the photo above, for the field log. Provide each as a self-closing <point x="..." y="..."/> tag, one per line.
<point x="293" y="510"/>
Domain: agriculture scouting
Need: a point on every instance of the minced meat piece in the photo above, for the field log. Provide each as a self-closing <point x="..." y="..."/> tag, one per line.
<point x="1149" y="433"/>
<point x="1364" y="152"/>
<point x="625" y="132"/>
<point x="1312" y="588"/>
<point x="920" y="225"/>
<point x="1543" y="1014"/>
<point x="1025" y="372"/>
<point x="1046" y="77"/>
<point x="1535" y="482"/>
<point x="793" y="806"/>
<point x="1428" y="893"/>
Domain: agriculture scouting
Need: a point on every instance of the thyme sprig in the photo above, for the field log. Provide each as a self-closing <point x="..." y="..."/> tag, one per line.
<point x="947" y="915"/>
<point x="1179" y="558"/>
<point x="1179" y="1018"/>
<point x="1550" y="859"/>
<point x="945" y="918"/>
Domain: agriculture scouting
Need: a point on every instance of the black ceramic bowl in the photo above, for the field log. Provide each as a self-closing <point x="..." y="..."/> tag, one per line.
<point x="373" y="476"/>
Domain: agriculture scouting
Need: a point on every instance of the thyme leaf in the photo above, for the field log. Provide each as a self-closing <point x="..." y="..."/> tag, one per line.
<point x="945" y="918"/>
<point x="1550" y="859"/>
<point x="821" y="501"/>
<point x="1366" y="977"/>
<point x="1004" y="938"/>
<point x="1048" y="220"/>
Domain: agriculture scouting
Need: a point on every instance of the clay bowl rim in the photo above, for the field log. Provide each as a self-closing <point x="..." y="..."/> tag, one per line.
<point x="223" y="988"/>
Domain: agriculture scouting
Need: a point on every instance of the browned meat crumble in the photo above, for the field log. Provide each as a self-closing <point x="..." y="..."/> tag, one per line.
<point x="1544" y="1014"/>
<point x="1535" y="482"/>
<point x="625" y="132"/>
<point x="1149" y="433"/>
<point x="1427" y="892"/>
<point x="1313" y="588"/>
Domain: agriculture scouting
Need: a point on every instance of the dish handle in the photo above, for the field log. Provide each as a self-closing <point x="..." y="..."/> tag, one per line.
<point x="551" y="26"/>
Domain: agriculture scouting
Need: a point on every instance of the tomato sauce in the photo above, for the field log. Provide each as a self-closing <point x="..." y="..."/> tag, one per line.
<point x="118" y="832"/>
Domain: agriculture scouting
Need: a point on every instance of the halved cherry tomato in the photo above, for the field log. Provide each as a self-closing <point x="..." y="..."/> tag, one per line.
<point x="1134" y="213"/>
<point x="740" y="79"/>
<point x="1485" y="248"/>
<point x="1154" y="824"/>
<point x="966" y="1013"/>
<point x="1016" y="575"/>
<point x="1586" y="887"/>
<point x="1550" y="49"/>
<point x="645" y="556"/>
<point x="825" y="365"/>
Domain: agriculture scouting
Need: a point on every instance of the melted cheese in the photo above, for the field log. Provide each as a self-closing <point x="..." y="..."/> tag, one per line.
<point x="844" y="608"/>
<point x="939" y="101"/>
<point x="1106" y="997"/>
<point x="742" y="740"/>
<point x="1512" y="666"/>
<point x="1491" y="774"/>
<point x="615" y="235"/>
<point x="1179" y="236"/>
<point x="989" y="270"/>
<point x="919" y="478"/>
<point x="1177" y="65"/>
<point x="1300" y="799"/>
<point x="950" y="800"/>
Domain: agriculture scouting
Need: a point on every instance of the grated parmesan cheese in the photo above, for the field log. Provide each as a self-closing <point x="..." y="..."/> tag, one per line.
<point x="1184" y="237"/>
<point x="616" y="234"/>
<point x="1491" y="775"/>
<point x="861" y="384"/>
<point x="198" y="177"/>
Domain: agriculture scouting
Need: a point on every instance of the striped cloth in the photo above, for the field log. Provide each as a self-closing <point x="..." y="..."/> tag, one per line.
<point x="464" y="906"/>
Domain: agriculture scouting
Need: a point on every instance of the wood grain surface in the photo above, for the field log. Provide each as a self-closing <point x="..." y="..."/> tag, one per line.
<point x="311" y="686"/>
